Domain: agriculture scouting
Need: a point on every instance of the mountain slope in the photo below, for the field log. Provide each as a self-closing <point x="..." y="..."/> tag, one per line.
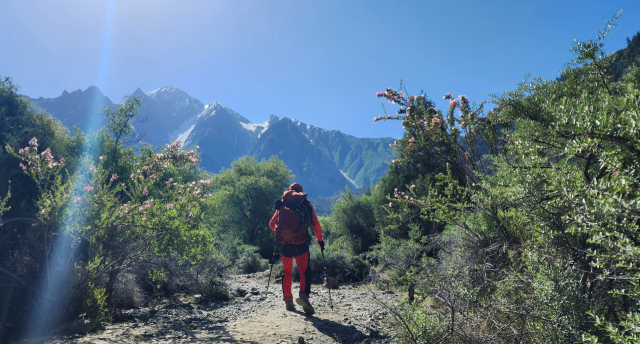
<point x="166" y="110"/>
<point x="223" y="136"/>
<point x="319" y="176"/>
<point x="363" y="160"/>
<point x="625" y="58"/>
<point x="78" y="108"/>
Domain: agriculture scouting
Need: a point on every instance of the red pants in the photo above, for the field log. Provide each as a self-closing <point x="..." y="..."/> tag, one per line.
<point x="302" y="261"/>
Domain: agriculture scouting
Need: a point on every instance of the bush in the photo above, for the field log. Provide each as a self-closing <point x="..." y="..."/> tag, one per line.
<point x="95" y="302"/>
<point x="126" y="294"/>
<point x="355" y="219"/>
<point x="250" y="261"/>
<point x="341" y="265"/>
<point x="213" y="291"/>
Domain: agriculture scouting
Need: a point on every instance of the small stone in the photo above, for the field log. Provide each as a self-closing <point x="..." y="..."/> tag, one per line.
<point x="300" y="340"/>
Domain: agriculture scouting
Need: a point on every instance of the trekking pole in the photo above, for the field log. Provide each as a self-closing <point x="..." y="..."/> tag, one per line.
<point x="326" y="276"/>
<point x="273" y="259"/>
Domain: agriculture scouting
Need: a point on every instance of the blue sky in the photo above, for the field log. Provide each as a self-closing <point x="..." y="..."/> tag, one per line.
<point x="317" y="61"/>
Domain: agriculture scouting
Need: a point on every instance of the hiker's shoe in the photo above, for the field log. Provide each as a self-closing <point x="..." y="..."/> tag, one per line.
<point x="289" y="305"/>
<point x="303" y="301"/>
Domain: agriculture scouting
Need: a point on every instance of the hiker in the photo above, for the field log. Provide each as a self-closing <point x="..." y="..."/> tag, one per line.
<point x="289" y="224"/>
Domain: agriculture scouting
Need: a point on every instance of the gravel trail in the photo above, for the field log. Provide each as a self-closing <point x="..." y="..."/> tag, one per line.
<point x="253" y="318"/>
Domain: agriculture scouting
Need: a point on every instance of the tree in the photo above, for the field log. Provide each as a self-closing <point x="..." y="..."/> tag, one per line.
<point x="243" y="202"/>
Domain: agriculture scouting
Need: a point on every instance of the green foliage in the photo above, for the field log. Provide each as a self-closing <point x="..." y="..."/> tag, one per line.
<point x="121" y="120"/>
<point x="355" y="220"/>
<point x="213" y="291"/>
<point x="249" y="261"/>
<point x="95" y="302"/>
<point x="243" y="202"/>
<point x="540" y="198"/>
<point x="340" y="263"/>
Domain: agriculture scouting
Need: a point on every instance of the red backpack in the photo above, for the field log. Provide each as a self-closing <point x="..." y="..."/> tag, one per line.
<point x="294" y="217"/>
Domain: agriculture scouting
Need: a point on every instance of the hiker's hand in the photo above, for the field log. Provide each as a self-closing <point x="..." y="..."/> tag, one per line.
<point x="321" y="243"/>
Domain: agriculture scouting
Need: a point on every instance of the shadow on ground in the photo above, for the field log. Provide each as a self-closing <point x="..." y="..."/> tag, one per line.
<point x="336" y="330"/>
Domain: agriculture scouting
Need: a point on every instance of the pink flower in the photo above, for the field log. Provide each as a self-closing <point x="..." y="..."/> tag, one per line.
<point x="146" y="192"/>
<point x="101" y="157"/>
<point x="453" y="102"/>
<point x="113" y="177"/>
<point x="21" y="151"/>
<point x="197" y="147"/>
<point x="62" y="160"/>
<point x="77" y="199"/>
<point x="410" y="144"/>
<point x="88" y="188"/>
<point x="473" y="184"/>
<point x="413" y="185"/>
<point x="26" y="149"/>
<point x="390" y="204"/>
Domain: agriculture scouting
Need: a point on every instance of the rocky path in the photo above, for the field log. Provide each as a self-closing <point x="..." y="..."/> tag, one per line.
<point x="356" y="318"/>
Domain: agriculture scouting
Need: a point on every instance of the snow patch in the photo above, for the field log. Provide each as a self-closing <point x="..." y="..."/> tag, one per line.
<point x="256" y="127"/>
<point x="349" y="179"/>
<point x="250" y="126"/>
<point x="183" y="137"/>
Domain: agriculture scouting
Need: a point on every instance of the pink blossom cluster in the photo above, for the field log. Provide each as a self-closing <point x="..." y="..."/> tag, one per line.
<point x="30" y="155"/>
<point x="88" y="188"/>
<point x="391" y="95"/>
<point x="463" y="99"/>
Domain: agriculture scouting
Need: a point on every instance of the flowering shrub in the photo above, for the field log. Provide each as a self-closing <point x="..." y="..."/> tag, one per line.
<point x="156" y="210"/>
<point x="540" y="201"/>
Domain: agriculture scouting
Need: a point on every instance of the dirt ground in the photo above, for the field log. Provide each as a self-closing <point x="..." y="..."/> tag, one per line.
<point x="356" y="317"/>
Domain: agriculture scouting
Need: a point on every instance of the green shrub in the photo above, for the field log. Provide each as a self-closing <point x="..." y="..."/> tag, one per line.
<point x="95" y="306"/>
<point x="250" y="261"/>
<point x="213" y="291"/>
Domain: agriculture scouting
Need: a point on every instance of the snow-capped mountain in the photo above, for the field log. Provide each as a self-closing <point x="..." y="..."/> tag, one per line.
<point x="323" y="161"/>
<point x="168" y="111"/>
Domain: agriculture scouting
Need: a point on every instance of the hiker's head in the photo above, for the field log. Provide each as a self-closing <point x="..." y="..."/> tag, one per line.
<point x="295" y="187"/>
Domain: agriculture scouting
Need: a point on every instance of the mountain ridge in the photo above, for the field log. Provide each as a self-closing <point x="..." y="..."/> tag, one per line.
<point x="327" y="158"/>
